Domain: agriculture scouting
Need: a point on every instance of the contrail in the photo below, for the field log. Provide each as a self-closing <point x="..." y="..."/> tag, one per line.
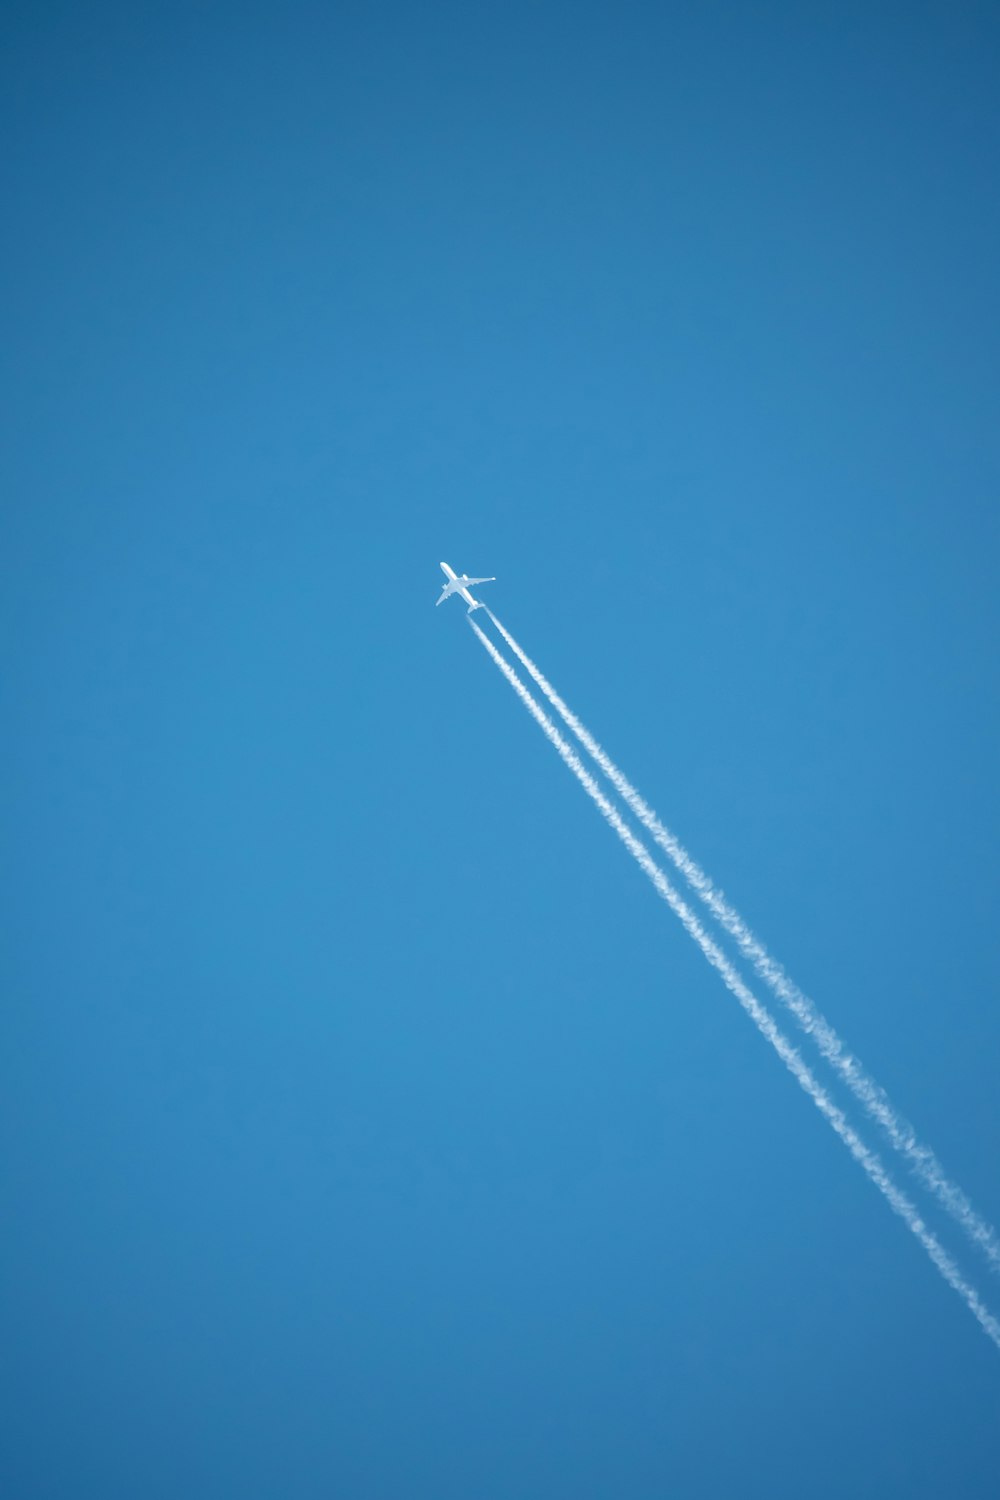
<point x="761" y="1017"/>
<point x="869" y="1093"/>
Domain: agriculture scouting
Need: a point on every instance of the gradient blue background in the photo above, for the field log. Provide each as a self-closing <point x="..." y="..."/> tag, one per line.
<point x="369" y="1129"/>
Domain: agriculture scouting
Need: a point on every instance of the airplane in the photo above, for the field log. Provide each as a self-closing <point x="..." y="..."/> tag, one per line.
<point x="460" y="583"/>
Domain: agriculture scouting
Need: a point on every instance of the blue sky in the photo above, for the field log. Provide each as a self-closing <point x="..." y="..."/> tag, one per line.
<point x="369" y="1128"/>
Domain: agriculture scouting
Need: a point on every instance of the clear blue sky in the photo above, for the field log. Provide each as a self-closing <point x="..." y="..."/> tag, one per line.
<point x="369" y="1129"/>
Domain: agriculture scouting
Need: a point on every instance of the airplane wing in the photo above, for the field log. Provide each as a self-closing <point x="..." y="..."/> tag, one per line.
<point x="456" y="585"/>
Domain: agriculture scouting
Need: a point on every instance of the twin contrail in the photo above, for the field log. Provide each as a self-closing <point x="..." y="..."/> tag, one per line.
<point x="872" y="1097"/>
<point x="760" y="1016"/>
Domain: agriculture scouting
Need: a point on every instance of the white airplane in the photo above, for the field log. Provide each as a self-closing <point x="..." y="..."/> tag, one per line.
<point x="460" y="583"/>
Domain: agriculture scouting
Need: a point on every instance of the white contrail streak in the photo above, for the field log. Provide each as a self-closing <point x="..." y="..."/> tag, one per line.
<point x="761" y="1017"/>
<point x="870" y="1094"/>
